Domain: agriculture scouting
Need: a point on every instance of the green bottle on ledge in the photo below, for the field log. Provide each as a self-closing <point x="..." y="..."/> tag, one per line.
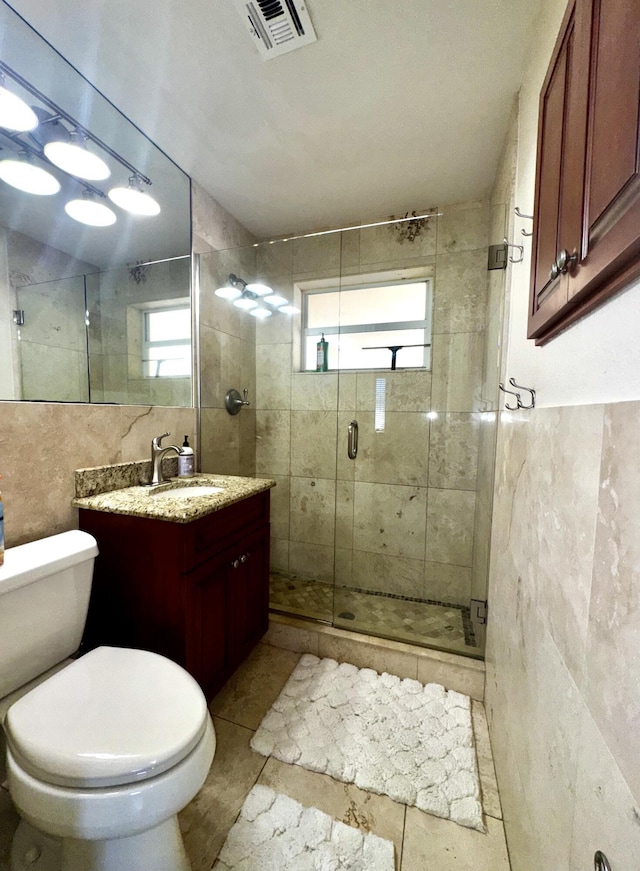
<point x="322" y="358"/>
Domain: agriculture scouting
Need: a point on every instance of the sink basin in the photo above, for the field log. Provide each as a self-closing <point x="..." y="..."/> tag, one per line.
<point x="189" y="492"/>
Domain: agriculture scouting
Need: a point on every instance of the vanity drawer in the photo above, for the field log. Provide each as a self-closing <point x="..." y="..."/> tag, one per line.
<point x="220" y="529"/>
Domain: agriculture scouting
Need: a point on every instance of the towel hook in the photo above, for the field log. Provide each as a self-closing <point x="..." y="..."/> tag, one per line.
<point x="519" y="247"/>
<point x="521" y="215"/>
<point x="517" y="396"/>
<point x="528" y="389"/>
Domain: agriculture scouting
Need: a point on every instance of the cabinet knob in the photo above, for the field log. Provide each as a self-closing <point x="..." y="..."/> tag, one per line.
<point x="243" y="558"/>
<point x="235" y="563"/>
<point x="554" y="272"/>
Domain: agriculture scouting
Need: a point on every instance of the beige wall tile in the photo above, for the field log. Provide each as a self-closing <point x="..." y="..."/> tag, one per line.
<point x="273" y="442"/>
<point x="460" y="292"/>
<point x="316" y="254"/>
<point x="453" y="451"/>
<point x="280" y="496"/>
<point x="463" y="229"/>
<point x="312" y="561"/>
<point x="313" y="443"/>
<point x="614" y="631"/>
<point x="279" y="555"/>
<point x="389" y="519"/>
<point x="397" y="454"/>
<point x="447" y="583"/>
<point x="347" y="386"/>
<point x="273" y="377"/>
<point x="385" y="244"/>
<point x="312" y="510"/>
<point x="221" y="366"/>
<point x="314" y="391"/>
<point x="220" y="447"/>
<point x="457" y="371"/>
<point x="344" y="514"/>
<point x="388" y="574"/>
<point x="450" y="521"/>
<point x="400" y="391"/>
<point x="140" y="425"/>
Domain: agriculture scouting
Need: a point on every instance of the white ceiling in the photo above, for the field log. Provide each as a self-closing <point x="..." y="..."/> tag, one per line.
<point x="399" y="105"/>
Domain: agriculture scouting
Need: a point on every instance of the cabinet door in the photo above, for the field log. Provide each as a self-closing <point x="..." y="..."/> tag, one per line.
<point x="559" y="171"/>
<point x="612" y="192"/>
<point x="248" y="580"/>
<point x="205" y="610"/>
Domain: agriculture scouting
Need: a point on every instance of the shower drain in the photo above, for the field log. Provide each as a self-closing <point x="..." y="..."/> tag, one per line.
<point x="346" y="615"/>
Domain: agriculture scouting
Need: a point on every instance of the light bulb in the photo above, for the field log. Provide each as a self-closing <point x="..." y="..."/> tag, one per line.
<point x="289" y="310"/>
<point x="276" y="300"/>
<point x="26" y="177"/>
<point x="261" y="313"/>
<point x="74" y="158"/>
<point x="14" y="112"/>
<point x="88" y="211"/>
<point x="245" y="303"/>
<point x="228" y="292"/>
<point x="133" y="199"/>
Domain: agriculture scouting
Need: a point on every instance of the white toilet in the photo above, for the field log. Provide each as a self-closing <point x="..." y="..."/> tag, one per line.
<point x="104" y="752"/>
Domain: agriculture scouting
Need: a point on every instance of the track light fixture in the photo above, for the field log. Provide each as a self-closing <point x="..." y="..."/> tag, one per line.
<point x="54" y="137"/>
<point x="251" y="298"/>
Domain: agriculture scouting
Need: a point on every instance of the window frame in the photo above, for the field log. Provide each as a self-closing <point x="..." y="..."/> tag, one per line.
<point x="313" y="288"/>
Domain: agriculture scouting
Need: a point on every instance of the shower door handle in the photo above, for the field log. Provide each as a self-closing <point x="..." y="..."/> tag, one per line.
<point x="352" y="440"/>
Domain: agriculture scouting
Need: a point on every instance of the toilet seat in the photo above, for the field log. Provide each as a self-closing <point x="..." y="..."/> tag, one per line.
<point x="113" y="717"/>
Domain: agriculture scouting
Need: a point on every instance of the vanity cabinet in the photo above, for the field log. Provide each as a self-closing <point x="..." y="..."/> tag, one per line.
<point x="196" y="592"/>
<point x="586" y="239"/>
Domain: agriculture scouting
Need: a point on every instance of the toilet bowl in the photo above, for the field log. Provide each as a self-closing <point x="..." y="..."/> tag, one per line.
<point x="100" y="759"/>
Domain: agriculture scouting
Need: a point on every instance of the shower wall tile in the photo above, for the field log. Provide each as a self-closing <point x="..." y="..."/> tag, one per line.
<point x="313" y="443"/>
<point x="317" y="254"/>
<point x="385" y="573"/>
<point x="453" y="452"/>
<point x="460" y="292"/>
<point x="450" y="521"/>
<point x="347" y="387"/>
<point x="614" y="610"/>
<point x="344" y="513"/>
<point x="279" y="555"/>
<point x="397" y="454"/>
<point x="280" y="512"/>
<point x="444" y="582"/>
<point x="457" y="371"/>
<point x="350" y="252"/>
<point x="314" y="391"/>
<point x="463" y="229"/>
<point x="394" y="391"/>
<point x="312" y="561"/>
<point x="312" y="506"/>
<point x="276" y="259"/>
<point x="220" y="446"/>
<point x="220" y="354"/>
<point x="385" y="243"/>
<point x="278" y="329"/>
<point x="140" y="425"/>
<point x="273" y="442"/>
<point x="273" y="377"/>
<point x="247" y="447"/>
<point x="343" y="567"/>
<point x="56" y="374"/>
<point x="390" y="519"/>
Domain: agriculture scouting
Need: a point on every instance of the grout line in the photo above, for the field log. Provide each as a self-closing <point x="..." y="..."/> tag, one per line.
<point x="404" y="831"/>
<point x="233" y="722"/>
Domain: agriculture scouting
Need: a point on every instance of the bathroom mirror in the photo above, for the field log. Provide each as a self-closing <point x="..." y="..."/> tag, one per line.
<point x="88" y="313"/>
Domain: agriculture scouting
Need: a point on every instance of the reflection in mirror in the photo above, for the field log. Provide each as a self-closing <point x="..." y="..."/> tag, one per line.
<point x="84" y="309"/>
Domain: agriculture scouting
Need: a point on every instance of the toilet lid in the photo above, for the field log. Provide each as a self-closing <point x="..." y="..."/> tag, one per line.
<point x="112" y="717"/>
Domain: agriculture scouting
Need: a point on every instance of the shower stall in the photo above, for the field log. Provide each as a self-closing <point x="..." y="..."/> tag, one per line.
<point x="384" y="463"/>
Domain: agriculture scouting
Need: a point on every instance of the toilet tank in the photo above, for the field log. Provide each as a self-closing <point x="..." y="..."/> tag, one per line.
<point x="44" y="599"/>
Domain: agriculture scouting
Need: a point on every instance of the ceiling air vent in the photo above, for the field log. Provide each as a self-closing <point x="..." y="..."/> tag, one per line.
<point x="277" y="26"/>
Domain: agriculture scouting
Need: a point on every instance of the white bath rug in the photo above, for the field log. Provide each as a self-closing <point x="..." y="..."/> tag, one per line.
<point x="393" y="737"/>
<point x="276" y="833"/>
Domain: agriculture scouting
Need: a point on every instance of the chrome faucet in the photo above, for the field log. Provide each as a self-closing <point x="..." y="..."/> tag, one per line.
<point x="157" y="455"/>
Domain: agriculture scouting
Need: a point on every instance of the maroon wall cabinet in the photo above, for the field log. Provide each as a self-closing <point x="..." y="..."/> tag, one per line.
<point x="586" y="241"/>
<point x="196" y="592"/>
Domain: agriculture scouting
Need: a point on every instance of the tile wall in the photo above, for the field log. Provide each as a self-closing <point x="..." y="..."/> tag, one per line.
<point x="405" y="510"/>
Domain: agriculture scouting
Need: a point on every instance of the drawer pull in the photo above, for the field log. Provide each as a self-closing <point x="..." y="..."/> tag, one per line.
<point x="235" y="563"/>
<point x="243" y="558"/>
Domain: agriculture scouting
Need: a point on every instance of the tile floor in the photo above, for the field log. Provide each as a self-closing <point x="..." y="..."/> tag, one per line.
<point x="442" y="625"/>
<point x="422" y="842"/>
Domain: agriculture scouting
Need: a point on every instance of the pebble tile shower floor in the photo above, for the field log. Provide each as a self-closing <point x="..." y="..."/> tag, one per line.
<point x="402" y="618"/>
<point x="421" y="841"/>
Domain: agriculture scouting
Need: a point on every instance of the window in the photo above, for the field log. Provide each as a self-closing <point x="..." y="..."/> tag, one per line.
<point x="363" y="322"/>
<point x="166" y="342"/>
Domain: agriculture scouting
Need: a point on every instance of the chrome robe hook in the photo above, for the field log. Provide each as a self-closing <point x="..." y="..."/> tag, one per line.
<point x="528" y="389"/>
<point x="520" y="249"/>
<point x="512" y="393"/>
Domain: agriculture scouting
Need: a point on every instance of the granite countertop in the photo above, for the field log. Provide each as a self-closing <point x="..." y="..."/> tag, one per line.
<point x="156" y="503"/>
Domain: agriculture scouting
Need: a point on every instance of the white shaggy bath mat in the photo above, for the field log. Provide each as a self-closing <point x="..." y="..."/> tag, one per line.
<point x="394" y="737"/>
<point x="276" y="833"/>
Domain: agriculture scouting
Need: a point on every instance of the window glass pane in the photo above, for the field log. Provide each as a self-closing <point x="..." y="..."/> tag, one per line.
<point x="168" y="361"/>
<point x="166" y="325"/>
<point x="383" y="305"/>
<point x="323" y="310"/>
<point x="346" y="350"/>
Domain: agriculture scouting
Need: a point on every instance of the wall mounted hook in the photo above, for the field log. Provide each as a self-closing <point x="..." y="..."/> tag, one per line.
<point x="528" y="389"/>
<point x="512" y="393"/>
<point x="522" y="215"/>
<point x="520" y="249"/>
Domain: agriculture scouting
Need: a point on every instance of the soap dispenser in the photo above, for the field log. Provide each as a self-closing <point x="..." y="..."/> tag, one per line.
<point x="185" y="460"/>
